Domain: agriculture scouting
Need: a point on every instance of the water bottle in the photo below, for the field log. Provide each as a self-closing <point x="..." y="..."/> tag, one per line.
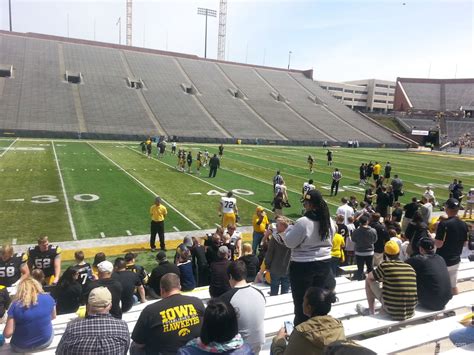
<point x="2" y="339"/>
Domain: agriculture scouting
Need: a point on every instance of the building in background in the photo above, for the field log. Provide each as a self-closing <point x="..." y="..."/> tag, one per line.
<point x="371" y="95"/>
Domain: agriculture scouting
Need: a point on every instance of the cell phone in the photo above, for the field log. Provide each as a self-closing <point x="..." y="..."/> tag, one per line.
<point x="288" y="327"/>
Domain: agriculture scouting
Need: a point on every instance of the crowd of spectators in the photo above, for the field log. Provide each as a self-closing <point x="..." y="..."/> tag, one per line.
<point x="404" y="255"/>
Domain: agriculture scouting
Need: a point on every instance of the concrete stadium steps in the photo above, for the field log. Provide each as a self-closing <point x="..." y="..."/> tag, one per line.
<point x="424" y="95"/>
<point x="108" y="104"/>
<point x="213" y="92"/>
<point x="458" y="95"/>
<point x="43" y="98"/>
<point x="258" y="95"/>
<point x="12" y="52"/>
<point x="363" y="126"/>
<point x="300" y="100"/>
<point x="457" y="128"/>
<point x="178" y="112"/>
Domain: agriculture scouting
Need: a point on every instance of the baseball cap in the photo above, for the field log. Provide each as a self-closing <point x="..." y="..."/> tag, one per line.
<point x="105" y="266"/>
<point x="391" y="248"/>
<point x="188" y="241"/>
<point x="100" y="297"/>
<point x="130" y="256"/>
<point x="260" y="209"/>
<point x="426" y="243"/>
<point x="452" y="204"/>
<point x="161" y="256"/>
<point x="313" y="196"/>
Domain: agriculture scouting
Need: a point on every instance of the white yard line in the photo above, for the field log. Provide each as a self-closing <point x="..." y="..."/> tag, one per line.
<point x="14" y="241"/>
<point x="102" y="234"/>
<point x="175" y="228"/>
<point x="128" y="232"/>
<point x="66" y="201"/>
<point x="204" y="181"/>
<point x="144" y="186"/>
<point x="8" y="148"/>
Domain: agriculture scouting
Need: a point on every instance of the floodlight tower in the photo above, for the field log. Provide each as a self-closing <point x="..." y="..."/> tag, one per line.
<point x="206" y="12"/>
<point x="129" y="22"/>
<point x="222" y="30"/>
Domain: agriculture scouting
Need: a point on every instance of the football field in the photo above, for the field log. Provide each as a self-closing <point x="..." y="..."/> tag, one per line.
<point x="72" y="190"/>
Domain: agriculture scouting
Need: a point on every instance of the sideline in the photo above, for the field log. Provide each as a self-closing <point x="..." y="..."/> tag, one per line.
<point x="143" y="185"/>
<point x="8" y="148"/>
<point x="66" y="201"/>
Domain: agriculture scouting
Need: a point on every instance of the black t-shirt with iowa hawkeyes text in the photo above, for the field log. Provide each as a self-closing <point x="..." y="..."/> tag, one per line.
<point x="169" y="324"/>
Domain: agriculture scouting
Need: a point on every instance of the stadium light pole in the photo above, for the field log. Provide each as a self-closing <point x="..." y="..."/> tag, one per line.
<point x="206" y="12"/>
<point x="289" y="59"/>
<point x="10" y="13"/>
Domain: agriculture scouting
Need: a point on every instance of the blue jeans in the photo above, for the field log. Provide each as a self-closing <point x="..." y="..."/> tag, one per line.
<point x="256" y="240"/>
<point x="462" y="337"/>
<point x="276" y="281"/>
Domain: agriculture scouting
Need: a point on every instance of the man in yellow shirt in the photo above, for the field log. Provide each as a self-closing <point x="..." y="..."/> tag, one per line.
<point x="158" y="214"/>
<point x="377" y="170"/>
<point x="260" y="223"/>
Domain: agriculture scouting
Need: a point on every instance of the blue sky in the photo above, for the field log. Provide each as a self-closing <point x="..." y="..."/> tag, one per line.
<point x="341" y="40"/>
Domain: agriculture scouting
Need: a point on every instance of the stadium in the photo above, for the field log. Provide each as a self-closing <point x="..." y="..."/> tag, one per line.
<point x="82" y="123"/>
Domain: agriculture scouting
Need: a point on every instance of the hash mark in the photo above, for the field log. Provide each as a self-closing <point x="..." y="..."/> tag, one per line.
<point x="102" y="235"/>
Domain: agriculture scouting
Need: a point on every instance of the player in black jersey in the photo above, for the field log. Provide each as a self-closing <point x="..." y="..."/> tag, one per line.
<point x="83" y="269"/>
<point x="46" y="257"/>
<point x="12" y="266"/>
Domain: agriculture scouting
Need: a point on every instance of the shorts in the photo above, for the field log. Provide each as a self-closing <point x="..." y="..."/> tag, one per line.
<point x="453" y="274"/>
<point x="228" y="218"/>
<point x="376" y="290"/>
<point x="470" y="206"/>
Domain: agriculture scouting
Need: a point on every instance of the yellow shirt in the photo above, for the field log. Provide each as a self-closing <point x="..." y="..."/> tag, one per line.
<point x="158" y="213"/>
<point x="377" y="169"/>
<point x="337" y="245"/>
<point x="259" y="228"/>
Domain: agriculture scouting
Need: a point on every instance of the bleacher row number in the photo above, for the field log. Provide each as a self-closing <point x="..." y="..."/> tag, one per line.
<point x="235" y="191"/>
<point x="52" y="198"/>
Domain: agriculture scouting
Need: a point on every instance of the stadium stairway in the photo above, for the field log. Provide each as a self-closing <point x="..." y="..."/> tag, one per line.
<point x="280" y="309"/>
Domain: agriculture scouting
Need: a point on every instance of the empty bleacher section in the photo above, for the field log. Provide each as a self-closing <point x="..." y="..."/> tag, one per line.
<point x="424" y="95"/>
<point x="37" y="97"/>
<point x="446" y="95"/>
<point x="363" y="129"/>
<point x="419" y="123"/>
<point x="67" y="87"/>
<point x="177" y="111"/>
<point x="456" y="129"/>
<point x="229" y="111"/>
<point x="276" y="113"/>
<point x="299" y="100"/>
<point x="458" y="95"/>
<point x="108" y="104"/>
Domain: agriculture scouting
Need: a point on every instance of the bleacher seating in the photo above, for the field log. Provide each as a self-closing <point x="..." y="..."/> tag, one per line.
<point x="274" y="112"/>
<point x="280" y="308"/>
<point x="171" y="105"/>
<point x="182" y="95"/>
<point x="456" y="128"/>
<point x="419" y="123"/>
<point x="364" y="126"/>
<point x="424" y="95"/>
<point x="108" y="103"/>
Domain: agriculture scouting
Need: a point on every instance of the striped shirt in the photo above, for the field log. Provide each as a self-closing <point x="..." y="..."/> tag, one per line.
<point x="399" y="288"/>
<point x="336" y="175"/>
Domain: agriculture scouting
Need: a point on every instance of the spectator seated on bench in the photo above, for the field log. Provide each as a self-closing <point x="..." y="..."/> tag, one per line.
<point x="311" y="336"/>
<point x="464" y="336"/>
<point x="398" y="295"/>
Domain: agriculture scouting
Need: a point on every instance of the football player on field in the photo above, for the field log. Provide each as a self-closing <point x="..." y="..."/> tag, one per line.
<point x="228" y="209"/>
<point x="13" y="266"/>
<point x="46" y="257"/>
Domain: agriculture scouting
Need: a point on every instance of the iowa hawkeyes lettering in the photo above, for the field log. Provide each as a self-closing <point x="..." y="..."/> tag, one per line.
<point x="179" y="318"/>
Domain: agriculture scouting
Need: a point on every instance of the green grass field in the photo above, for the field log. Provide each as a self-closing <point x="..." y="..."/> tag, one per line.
<point x="108" y="187"/>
